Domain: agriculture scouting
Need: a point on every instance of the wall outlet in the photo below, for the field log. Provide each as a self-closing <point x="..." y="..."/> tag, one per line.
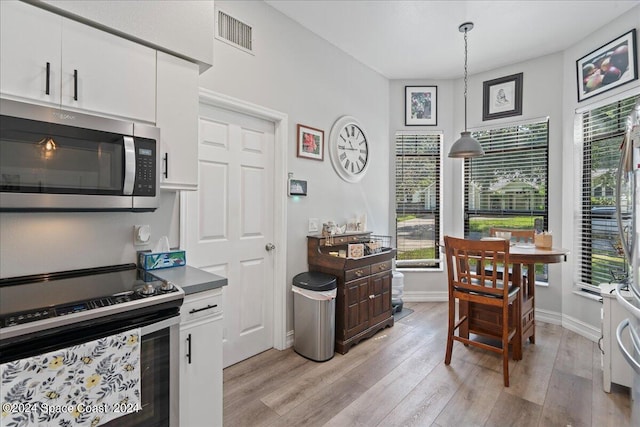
<point x="141" y="234"/>
<point x="314" y="225"/>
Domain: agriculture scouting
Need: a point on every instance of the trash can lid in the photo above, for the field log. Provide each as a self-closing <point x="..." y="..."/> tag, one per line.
<point x="315" y="281"/>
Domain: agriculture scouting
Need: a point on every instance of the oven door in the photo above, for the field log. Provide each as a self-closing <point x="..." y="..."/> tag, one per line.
<point x="159" y="359"/>
<point x="160" y="378"/>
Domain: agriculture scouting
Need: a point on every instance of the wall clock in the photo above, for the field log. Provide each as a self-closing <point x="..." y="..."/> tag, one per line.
<point x="349" y="149"/>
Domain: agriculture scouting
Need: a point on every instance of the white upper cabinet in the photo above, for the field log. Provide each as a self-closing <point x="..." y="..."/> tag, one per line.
<point x="89" y="69"/>
<point x="29" y="40"/>
<point x="105" y="73"/>
<point x="177" y="118"/>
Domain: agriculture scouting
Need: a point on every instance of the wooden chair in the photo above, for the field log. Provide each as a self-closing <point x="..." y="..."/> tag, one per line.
<point x="521" y="236"/>
<point x="474" y="281"/>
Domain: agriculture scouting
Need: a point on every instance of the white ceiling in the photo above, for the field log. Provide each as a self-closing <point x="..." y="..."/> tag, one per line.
<point x="404" y="39"/>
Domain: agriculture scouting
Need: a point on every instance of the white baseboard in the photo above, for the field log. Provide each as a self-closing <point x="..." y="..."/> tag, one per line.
<point x="289" y="339"/>
<point x="547" y="316"/>
<point x="579" y="327"/>
<point x="425" y="296"/>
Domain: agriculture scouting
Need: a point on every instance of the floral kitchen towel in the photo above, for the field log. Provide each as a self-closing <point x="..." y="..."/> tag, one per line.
<point x="84" y="385"/>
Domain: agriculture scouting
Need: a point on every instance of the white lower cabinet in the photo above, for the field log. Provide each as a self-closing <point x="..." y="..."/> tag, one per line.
<point x="615" y="368"/>
<point x="201" y="359"/>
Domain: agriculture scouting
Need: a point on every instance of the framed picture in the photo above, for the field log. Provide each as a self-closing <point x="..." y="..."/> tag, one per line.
<point x="421" y="105"/>
<point x="607" y="67"/>
<point x="310" y="143"/>
<point x="502" y="97"/>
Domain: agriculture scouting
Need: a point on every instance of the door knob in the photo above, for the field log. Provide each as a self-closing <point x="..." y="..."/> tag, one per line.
<point x="269" y="247"/>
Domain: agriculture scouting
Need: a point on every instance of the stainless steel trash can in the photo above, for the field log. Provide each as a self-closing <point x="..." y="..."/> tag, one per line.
<point x="314" y="315"/>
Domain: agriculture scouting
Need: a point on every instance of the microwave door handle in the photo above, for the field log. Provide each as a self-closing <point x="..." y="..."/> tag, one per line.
<point x="129" y="166"/>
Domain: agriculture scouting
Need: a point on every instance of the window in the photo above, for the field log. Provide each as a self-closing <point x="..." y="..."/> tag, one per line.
<point x="507" y="187"/>
<point x="601" y="258"/>
<point x="418" y="159"/>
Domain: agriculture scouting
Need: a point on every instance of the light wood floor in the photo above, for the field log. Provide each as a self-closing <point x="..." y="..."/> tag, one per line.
<point x="398" y="377"/>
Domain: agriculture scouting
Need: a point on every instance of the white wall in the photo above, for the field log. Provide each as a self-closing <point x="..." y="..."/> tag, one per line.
<point x="295" y="72"/>
<point x="542" y="81"/>
<point x="32" y="243"/>
<point x="549" y="90"/>
<point x="578" y="308"/>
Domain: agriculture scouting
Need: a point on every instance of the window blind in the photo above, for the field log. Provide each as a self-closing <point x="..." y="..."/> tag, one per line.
<point x="507" y="187"/>
<point x="417" y="161"/>
<point x="600" y="257"/>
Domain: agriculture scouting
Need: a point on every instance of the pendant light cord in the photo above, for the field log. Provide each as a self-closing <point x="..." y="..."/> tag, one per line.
<point x="465" y="80"/>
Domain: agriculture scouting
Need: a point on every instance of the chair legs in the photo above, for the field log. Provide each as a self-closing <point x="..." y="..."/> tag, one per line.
<point x="450" y="331"/>
<point x="505" y="344"/>
<point x="515" y="341"/>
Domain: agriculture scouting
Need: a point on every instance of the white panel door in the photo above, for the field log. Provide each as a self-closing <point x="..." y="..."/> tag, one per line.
<point x="229" y="224"/>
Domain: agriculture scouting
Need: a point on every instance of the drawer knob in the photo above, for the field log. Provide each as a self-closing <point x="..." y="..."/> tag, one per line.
<point x="359" y="273"/>
<point x="372" y="296"/>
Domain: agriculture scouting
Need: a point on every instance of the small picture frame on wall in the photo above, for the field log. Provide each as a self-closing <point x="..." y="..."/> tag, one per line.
<point x="421" y="105"/>
<point x="310" y="143"/>
<point x="607" y="67"/>
<point x="502" y="97"/>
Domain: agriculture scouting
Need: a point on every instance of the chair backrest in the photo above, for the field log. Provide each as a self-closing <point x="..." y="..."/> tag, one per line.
<point x="473" y="266"/>
<point x="519" y="235"/>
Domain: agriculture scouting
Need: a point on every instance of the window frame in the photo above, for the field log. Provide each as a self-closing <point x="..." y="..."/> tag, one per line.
<point x="427" y="264"/>
<point x="468" y="213"/>
<point x="583" y="158"/>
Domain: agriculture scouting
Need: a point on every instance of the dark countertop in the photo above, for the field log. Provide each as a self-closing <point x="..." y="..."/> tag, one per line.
<point x="190" y="279"/>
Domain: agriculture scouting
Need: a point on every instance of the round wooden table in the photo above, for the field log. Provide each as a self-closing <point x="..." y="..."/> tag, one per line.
<point x="529" y="256"/>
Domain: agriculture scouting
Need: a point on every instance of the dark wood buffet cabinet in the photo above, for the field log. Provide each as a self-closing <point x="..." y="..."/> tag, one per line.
<point x="363" y="301"/>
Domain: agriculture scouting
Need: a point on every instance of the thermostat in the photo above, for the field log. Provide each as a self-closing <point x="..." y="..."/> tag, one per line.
<point x="297" y="187"/>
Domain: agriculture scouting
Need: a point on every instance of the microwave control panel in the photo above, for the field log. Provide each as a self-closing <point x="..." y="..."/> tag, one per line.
<point x="145" y="181"/>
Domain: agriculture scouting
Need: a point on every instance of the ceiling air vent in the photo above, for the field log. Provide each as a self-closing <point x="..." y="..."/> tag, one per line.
<point x="234" y="32"/>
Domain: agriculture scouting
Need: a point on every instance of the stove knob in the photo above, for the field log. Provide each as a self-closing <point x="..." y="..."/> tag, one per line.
<point x="167" y="286"/>
<point x="147" y="289"/>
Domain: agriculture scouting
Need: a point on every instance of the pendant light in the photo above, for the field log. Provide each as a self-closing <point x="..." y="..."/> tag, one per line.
<point x="466" y="146"/>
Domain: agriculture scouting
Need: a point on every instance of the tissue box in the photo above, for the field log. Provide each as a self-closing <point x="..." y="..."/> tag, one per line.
<point x="157" y="260"/>
<point x="543" y="241"/>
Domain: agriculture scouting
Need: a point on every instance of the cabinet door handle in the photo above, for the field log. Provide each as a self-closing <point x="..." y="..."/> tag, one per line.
<point x="47" y="83"/>
<point x="208" y="307"/>
<point x="75" y="85"/>
<point x="189" y="349"/>
<point x="165" y="173"/>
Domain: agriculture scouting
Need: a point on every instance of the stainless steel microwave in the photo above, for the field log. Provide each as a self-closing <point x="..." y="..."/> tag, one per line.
<point x="57" y="160"/>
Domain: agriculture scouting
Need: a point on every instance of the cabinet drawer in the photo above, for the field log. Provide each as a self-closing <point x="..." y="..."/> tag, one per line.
<point x="200" y="305"/>
<point x="345" y="239"/>
<point x="380" y="267"/>
<point x="357" y="273"/>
